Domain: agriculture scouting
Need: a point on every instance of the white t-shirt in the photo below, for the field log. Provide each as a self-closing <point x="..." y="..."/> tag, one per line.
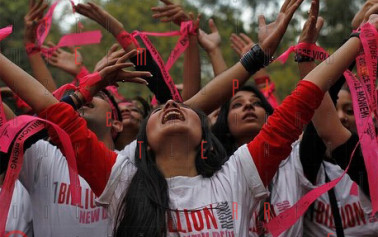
<point x="355" y="221"/>
<point x="20" y="216"/>
<point x="45" y="175"/>
<point x="235" y="191"/>
<point x="286" y="191"/>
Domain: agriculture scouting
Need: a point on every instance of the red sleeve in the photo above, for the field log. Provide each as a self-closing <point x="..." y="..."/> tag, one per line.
<point x="273" y="143"/>
<point x="94" y="159"/>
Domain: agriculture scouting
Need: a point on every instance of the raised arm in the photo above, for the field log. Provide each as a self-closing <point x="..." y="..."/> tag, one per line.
<point x="70" y="61"/>
<point x="217" y="91"/>
<point x="175" y="13"/>
<point x="40" y="70"/>
<point x="273" y="143"/>
<point x="211" y="42"/>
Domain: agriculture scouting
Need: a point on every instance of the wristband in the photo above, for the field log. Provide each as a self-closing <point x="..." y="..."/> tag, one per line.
<point x="83" y="72"/>
<point x="68" y="99"/>
<point x="355" y="34"/>
<point x="255" y="59"/>
<point x="32" y="49"/>
<point x="125" y="39"/>
<point x="86" y="83"/>
<point x="79" y="101"/>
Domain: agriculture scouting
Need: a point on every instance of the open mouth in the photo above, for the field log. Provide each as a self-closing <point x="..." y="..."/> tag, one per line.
<point x="249" y="116"/>
<point x="172" y="114"/>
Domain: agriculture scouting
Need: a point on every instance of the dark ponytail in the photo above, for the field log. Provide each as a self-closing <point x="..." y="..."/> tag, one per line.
<point x="143" y="209"/>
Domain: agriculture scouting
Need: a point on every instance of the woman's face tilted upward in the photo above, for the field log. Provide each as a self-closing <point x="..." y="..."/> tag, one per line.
<point x="246" y="115"/>
<point x="173" y="119"/>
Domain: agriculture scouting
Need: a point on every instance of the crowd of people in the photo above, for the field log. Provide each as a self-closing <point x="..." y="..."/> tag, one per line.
<point x="84" y="160"/>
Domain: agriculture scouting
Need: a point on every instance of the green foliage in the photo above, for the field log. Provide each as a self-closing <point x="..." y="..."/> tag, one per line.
<point x="228" y="15"/>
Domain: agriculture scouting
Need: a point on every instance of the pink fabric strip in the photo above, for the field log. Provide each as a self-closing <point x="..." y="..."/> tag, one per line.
<point x="289" y="217"/>
<point x="25" y="126"/>
<point x="182" y="44"/>
<point x="309" y="50"/>
<point x="3" y="118"/>
<point x="365" y="127"/>
<point x="44" y="26"/>
<point x="75" y="39"/>
<point x="156" y="56"/>
<point x="365" y="106"/>
<point x="4" y="32"/>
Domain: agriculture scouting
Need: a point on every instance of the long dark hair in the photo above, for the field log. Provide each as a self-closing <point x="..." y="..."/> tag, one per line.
<point x="221" y="129"/>
<point x="142" y="211"/>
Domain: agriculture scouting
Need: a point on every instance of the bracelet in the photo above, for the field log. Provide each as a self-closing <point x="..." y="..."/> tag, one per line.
<point x="32" y="49"/>
<point x="78" y="100"/>
<point x="355" y="34"/>
<point x="300" y="58"/>
<point x="68" y="99"/>
<point x="255" y="59"/>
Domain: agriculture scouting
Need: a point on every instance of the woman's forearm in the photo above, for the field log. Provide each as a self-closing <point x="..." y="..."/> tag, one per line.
<point x="329" y="71"/>
<point x="25" y="86"/>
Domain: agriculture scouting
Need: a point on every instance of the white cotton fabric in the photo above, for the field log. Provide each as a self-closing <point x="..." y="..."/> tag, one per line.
<point x="221" y="205"/>
<point x="285" y="193"/>
<point x="20" y="212"/>
<point x="45" y="175"/>
<point x="355" y="221"/>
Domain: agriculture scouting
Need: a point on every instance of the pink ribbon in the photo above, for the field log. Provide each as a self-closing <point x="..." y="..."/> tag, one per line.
<point x="5" y="32"/>
<point x="364" y="99"/>
<point x="85" y="38"/>
<point x="289" y="217"/>
<point x="307" y="49"/>
<point x="44" y="26"/>
<point x="182" y="44"/>
<point x="364" y="122"/>
<point x="19" y="130"/>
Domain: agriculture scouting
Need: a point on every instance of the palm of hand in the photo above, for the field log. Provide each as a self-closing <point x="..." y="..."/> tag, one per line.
<point x="68" y="61"/>
<point x="210" y="41"/>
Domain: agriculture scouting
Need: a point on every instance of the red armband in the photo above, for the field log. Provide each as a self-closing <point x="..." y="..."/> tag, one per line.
<point x="125" y="39"/>
<point x="32" y="49"/>
<point x="86" y="82"/>
<point x="83" y="72"/>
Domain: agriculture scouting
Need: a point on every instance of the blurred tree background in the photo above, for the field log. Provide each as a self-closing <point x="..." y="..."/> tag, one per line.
<point x="231" y="16"/>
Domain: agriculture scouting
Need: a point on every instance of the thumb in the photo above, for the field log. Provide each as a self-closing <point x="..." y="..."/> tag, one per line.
<point x="212" y="26"/>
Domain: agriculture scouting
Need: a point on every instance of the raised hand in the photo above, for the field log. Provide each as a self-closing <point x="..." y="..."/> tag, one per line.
<point x="241" y="44"/>
<point x="32" y="19"/>
<point x="110" y="58"/>
<point x="170" y="12"/>
<point x="313" y="25"/>
<point x="113" y="72"/>
<point x="362" y="16"/>
<point x="270" y="35"/>
<point x="67" y="61"/>
<point x="99" y="15"/>
<point x="212" y="41"/>
<point x="373" y="19"/>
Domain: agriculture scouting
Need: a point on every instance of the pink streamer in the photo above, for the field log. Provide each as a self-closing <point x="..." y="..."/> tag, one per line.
<point x="25" y="126"/>
<point x="309" y="50"/>
<point x="75" y="39"/>
<point x="5" y="32"/>
<point x="365" y="126"/>
<point x="182" y="44"/>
